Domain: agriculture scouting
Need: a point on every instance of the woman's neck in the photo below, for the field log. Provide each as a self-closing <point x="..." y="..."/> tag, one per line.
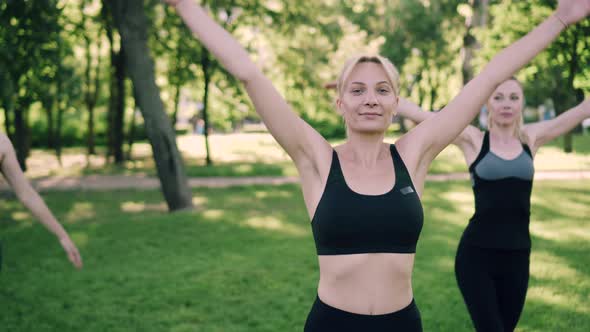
<point x="504" y="133"/>
<point x="365" y="149"/>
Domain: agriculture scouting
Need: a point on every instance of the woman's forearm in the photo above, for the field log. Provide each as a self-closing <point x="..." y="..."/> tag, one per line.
<point x="32" y="201"/>
<point x="517" y="55"/>
<point x="457" y="115"/>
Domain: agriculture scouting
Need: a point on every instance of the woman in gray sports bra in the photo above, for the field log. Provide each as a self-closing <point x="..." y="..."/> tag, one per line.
<point x="492" y="262"/>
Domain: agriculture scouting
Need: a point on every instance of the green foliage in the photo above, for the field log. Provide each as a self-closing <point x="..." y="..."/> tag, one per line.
<point x="300" y="45"/>
<point x="550" y="75"/>
<point x="30" y="51"/>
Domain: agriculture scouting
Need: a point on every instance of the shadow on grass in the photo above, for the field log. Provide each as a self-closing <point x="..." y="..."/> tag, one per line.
<point x="153" y="271"/>
<point x="197" y="168"/>
<point x="243" y="261"/>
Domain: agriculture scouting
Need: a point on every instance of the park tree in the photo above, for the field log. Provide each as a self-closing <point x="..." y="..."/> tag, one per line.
<point x="131" y="22"/>
<point x="190" y="66"/>
<point x="117" y="91"/>
<point x="91" y="28"/>
<point x="30" y="48"/>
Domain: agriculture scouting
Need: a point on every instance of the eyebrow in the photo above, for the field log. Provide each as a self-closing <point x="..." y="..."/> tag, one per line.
<point x="361" y="83"/>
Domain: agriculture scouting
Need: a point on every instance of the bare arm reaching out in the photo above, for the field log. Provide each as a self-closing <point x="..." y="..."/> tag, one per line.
<point x="543" y="132"/>
<point x="31" y="200"/>
<point x="435" y="133"/>
<point x="303" y="144"/>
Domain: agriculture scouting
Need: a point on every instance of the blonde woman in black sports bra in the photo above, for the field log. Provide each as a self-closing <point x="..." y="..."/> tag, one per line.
<point x="366" y="259"/>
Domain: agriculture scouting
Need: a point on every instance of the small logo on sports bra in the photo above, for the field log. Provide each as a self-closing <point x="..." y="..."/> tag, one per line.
<point x="406" y="190"/>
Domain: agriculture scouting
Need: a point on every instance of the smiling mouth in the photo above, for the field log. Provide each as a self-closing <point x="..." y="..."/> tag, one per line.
<point x="371" y="114"/>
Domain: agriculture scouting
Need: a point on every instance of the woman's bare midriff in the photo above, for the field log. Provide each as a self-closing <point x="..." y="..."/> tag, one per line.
<point x="368" y="284"/>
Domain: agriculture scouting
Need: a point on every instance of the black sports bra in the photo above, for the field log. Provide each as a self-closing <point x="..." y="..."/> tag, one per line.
<point x="346" y="222"/>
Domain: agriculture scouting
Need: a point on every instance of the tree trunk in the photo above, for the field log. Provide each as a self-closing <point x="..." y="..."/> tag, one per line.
<point x="50" y="130"/>
<point x="176" y="99"/>
<point x="131" y="136"/>
<point x="48" y="102"/>
<point x="206" y="67"/>
<point x="91" y="96"/>
<point x="109" y="27"/>
<point x="410" y="87"/>
<point x="470" y="44"/>
<point x="7" y="98"/>
<point x="433" y="91"/>
<point x="132" y="125"/>
<point x="60" y="111"/>
<point x="20" y="137"/>
<point x="479" y="18"/>
<point x="8" y="122"/>
<point x="568" y="142"/>
<point x="433" y="96"/>
<point x="90" y="140"/>
<point x="177" y="86"/>
<point x="119" y="115"/>
<point x="58" y="131"/>
<point x="131" y="21"/>
<point x="112" y="97"/>
<point x="89" y="102"/>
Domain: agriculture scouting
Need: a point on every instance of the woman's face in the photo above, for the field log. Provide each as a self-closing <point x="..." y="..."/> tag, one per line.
<point x="368" y="100"/>
<point x="505" y="104"/>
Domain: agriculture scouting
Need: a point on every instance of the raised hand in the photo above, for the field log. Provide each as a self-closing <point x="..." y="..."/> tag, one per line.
<point x="572" y="11"/>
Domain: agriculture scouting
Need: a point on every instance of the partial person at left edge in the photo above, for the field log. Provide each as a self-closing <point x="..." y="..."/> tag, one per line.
<point x="15" y="177"/>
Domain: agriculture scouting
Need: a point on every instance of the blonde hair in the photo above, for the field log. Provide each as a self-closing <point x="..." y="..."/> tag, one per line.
<point x="390" y="71"/>
<point x="518" y="129"/>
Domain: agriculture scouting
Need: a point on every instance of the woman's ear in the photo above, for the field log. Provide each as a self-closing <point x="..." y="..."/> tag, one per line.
<point x="394" y="113"/>
<point x="339" y="106"/>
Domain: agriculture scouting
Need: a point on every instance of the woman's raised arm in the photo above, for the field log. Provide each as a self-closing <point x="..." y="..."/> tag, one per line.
<point x="436" y="133"/>
<point x="299" y="140"/>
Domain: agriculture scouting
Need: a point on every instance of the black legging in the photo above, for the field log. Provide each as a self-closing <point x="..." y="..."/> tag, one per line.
<point x="325" y="318"/>
<point x="494" y="283"/>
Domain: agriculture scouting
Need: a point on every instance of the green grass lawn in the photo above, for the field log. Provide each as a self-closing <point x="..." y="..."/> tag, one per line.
<point x="259" y="155"/>
<point x="245" y="261"/>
